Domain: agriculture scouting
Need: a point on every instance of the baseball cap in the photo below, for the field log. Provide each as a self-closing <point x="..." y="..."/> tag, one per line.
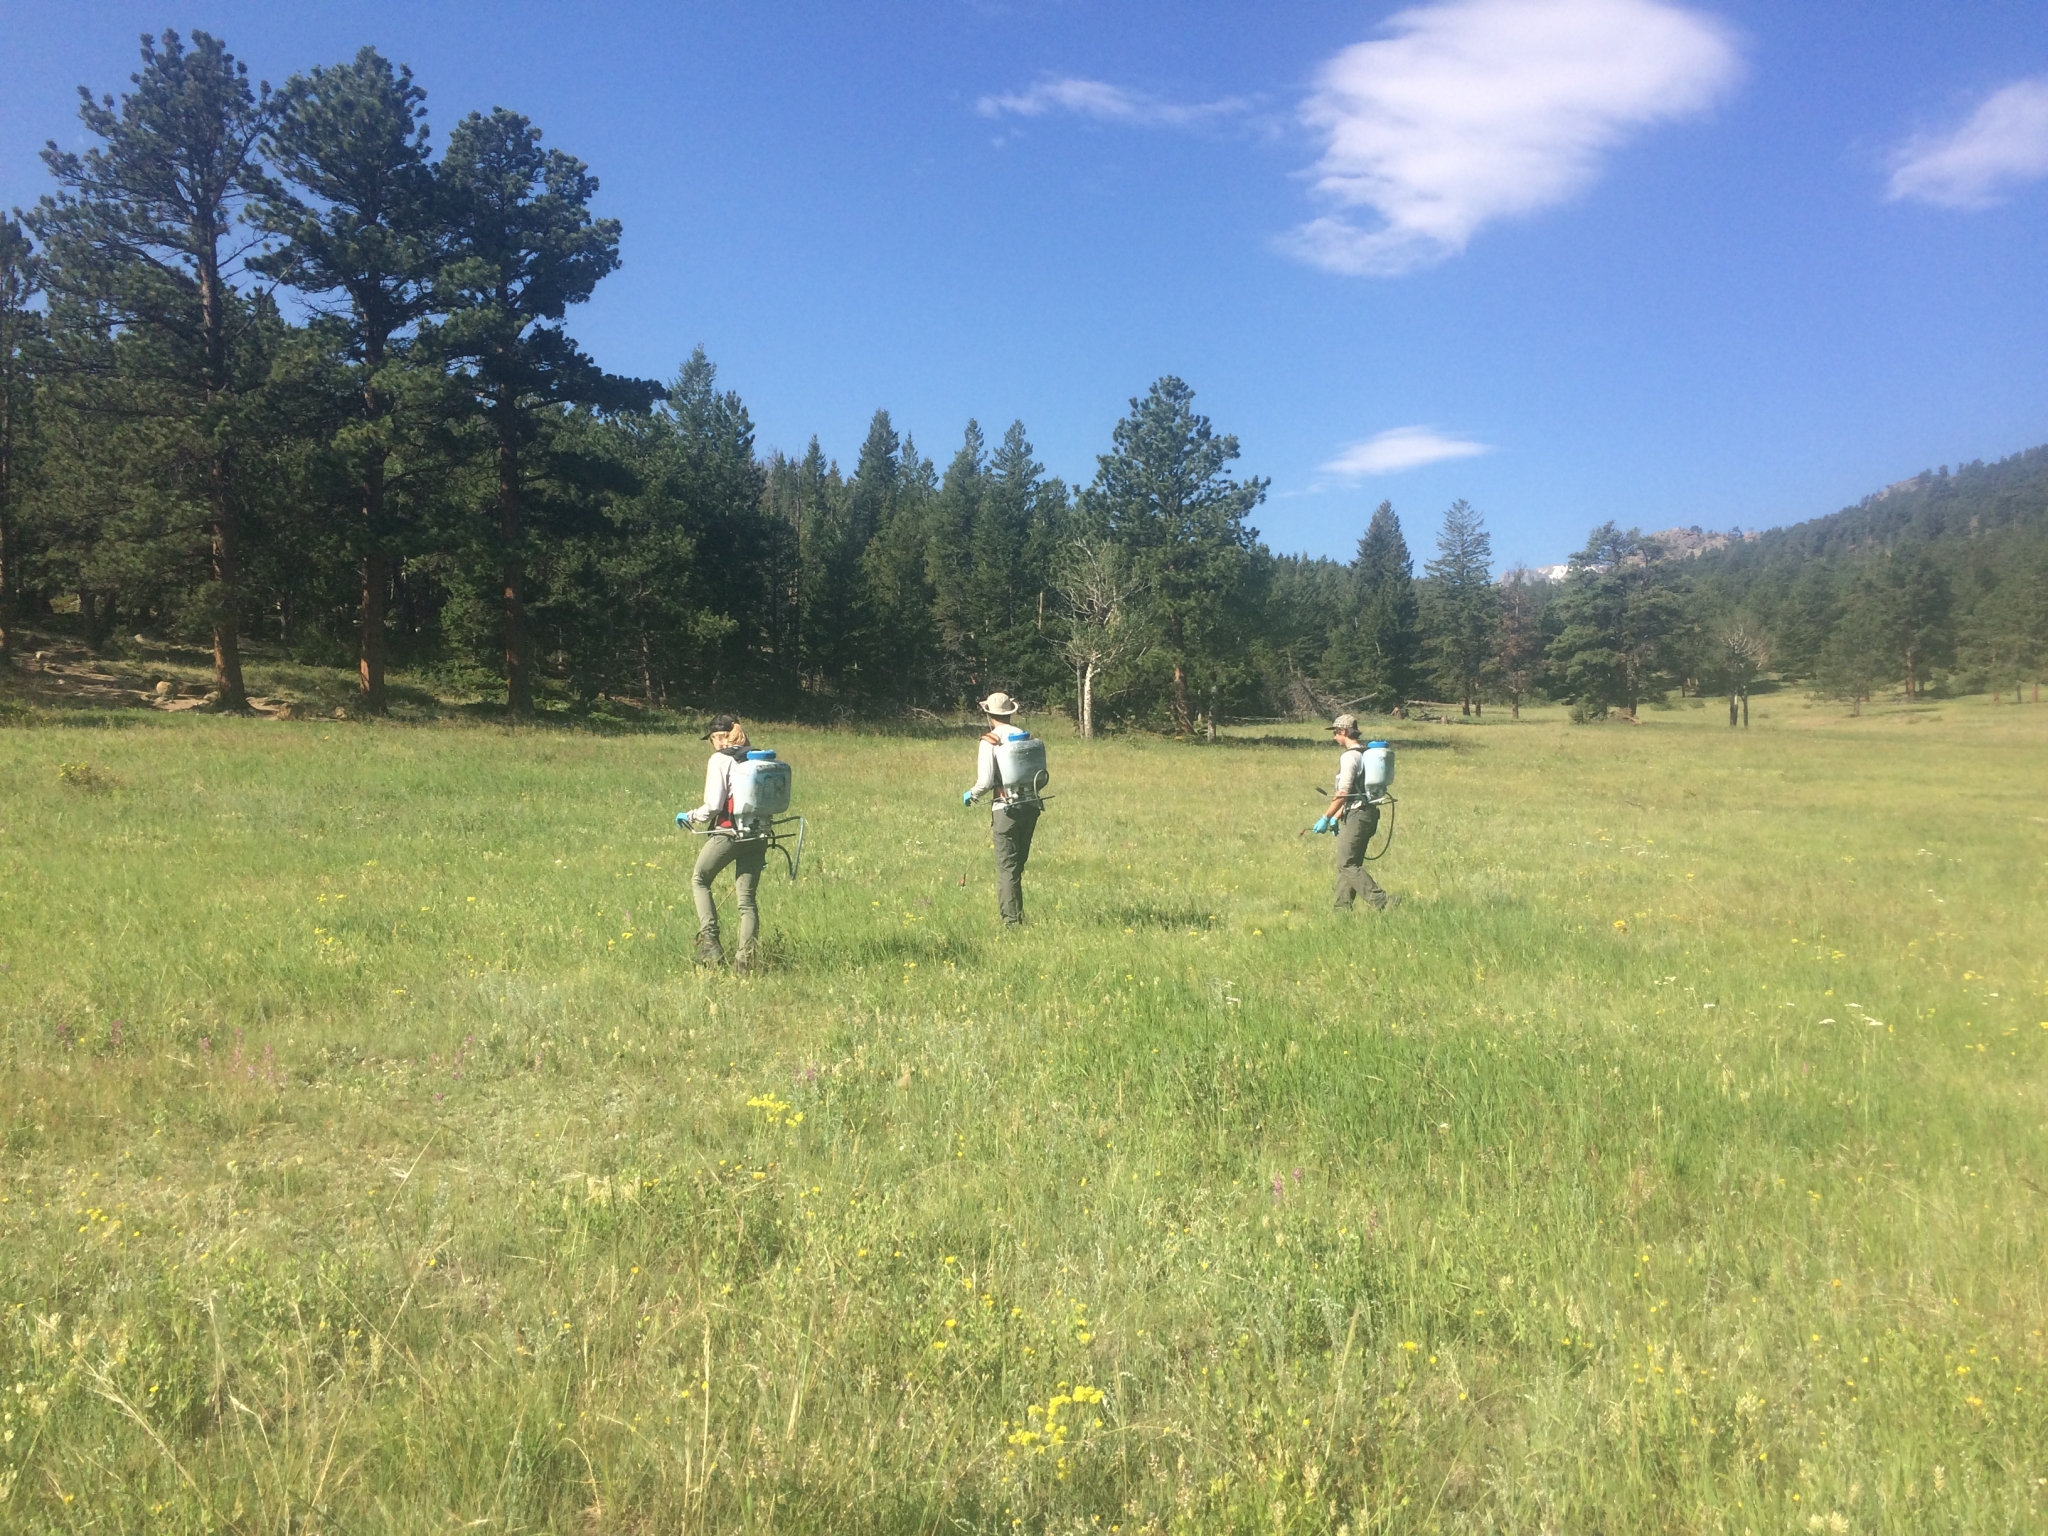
<point x="720" y="726"/>
<point x="1348" y="724"/>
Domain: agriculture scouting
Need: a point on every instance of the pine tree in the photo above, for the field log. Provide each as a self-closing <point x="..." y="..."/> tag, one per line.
<point x="1163" y="496"/>
<point x="950" y="569"/>
<point x="897" y="647"/>
<point x="145" y="233"/>
<point x="21" y="329"/>
<point x="1852" y="664"/>
<point x="1372" y="652"/>
<point x="1617" y="611"/>
<point x="353" y="138"/>
<point x="1915" y="604"/>
<point x="1518" y="634"/>
<point x="1461" y="601"/>
<point x="522" y="247"/>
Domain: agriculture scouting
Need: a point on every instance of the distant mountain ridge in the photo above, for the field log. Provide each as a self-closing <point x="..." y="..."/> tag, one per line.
<point x="1978" y="499"/>
<point x="1974" y="500"/>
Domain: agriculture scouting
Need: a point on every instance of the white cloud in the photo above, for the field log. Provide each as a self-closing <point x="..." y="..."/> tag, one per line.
<point x="2004" y="143"/>
<point x="1476" y="110"/>
<point x="1106" y="103"/>
<point x="1400" y="448"/>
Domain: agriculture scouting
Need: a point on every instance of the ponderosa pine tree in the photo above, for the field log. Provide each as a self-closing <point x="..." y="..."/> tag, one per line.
<point x="145" y="232"/>
<point x="1617" y="610"/>
<point x="1162" y="495"/>
<point x="353" y="138"/>
<point x="21" y="327"/>
<point x="522" y="246"/>
<point x="1460" y="602"/>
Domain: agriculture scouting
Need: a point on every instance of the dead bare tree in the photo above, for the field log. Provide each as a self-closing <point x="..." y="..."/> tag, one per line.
<point x="1098" y="587"/>
<point x="1745" y="652"/>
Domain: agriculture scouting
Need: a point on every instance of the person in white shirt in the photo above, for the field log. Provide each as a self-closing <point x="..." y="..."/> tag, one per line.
<point x="1014" y="809"/>
<point x="1354" y="819"/>
<point x="725" y="845"/>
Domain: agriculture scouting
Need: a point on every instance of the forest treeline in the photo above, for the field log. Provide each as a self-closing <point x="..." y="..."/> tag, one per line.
<point x="271" y="366"/>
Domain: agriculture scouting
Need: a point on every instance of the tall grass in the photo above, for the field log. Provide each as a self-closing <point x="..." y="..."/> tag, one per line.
<point x="1671" y="1159"/>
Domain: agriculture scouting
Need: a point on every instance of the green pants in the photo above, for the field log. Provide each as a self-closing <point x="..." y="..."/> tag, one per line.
<point x="1354" y="831"/>
<point x="1012" y="826"/>
<point x="748" y="856"/>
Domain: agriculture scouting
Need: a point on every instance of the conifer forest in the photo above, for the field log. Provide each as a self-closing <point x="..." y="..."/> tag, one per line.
<point x="283" y="368"/>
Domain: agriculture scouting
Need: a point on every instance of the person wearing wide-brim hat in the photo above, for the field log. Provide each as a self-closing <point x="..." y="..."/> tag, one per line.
<point x="1353" y="818"/>
<point x="725" y="845"/>
<point x="1013" y="816"/>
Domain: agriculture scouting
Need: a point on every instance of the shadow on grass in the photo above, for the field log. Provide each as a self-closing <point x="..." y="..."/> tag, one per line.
<point x="1323" y="743"/>
<point x="1177" y="919"/>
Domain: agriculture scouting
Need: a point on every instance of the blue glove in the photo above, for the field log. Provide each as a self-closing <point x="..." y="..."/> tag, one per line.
<point x="967" y="798"/>
<point x="1322" y="824"/>
<point x="1332" y="827"/>
<point x="683" y="819"/>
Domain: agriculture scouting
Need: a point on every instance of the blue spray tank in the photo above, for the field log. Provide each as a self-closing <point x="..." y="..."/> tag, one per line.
<point x="760" y="787"/>
<point x="1020" y="759"/>
<point x="1378" y="772"/>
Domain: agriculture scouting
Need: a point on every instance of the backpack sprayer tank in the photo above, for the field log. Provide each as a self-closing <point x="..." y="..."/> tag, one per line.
<point x="1378" y="771"/>
<point x="1020" y="759"/>
<point x="760" y="791"/>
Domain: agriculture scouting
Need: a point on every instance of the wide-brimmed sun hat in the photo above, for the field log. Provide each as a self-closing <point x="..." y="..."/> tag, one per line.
<point x="999" y="703"/>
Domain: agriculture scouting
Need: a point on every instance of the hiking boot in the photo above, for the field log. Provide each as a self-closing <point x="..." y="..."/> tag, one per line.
<point x="743" y="963"/>
<point x="709" y="951"/>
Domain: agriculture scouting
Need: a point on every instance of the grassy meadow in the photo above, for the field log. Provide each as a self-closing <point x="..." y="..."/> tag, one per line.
<point x="373" y="1158"/>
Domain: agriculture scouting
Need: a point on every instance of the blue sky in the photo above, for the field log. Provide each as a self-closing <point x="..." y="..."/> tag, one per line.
<point x="1732" y="263"/>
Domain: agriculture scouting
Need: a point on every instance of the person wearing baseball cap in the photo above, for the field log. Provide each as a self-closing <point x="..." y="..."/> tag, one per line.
<point x="1013" y="816"/>
<point x="725" y="845"/>
<point x="1353" y="818"/>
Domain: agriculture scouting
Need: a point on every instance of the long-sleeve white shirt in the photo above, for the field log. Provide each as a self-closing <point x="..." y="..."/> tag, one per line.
<point x="986" y="778"/>
<point x="1350" y="773"/>
<point x="717" y="788"/>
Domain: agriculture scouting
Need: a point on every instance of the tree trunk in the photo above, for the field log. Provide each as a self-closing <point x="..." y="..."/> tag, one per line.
<point x="1731" y="709"/>
<point x="227" y="614"/>
<point x="1745" y="709"/>
<point x="518" y="664"/>
<point x="9" y="559"/>
<point x="1514" y="706"/>
<point x="227" y="629"/>
<point x="1088" y="700"/>
<point x="1183" y="712"/>
<point x="370" y="658"/>
<point x="376" y="564"/>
